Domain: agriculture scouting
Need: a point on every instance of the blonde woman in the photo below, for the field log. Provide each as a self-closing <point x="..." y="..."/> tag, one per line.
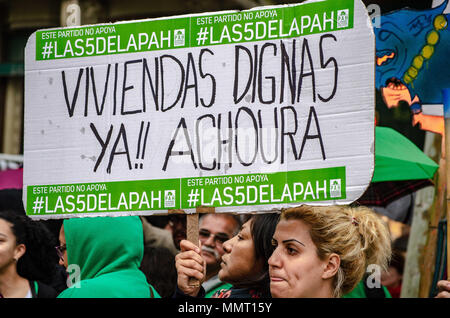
<point x="324" y="251"/>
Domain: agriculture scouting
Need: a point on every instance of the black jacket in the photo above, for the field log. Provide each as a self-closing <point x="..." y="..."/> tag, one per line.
<point x="41" y="290"/>
<point x="226" y="293"/>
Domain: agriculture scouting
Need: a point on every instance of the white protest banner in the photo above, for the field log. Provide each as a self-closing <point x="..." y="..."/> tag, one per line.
<point x="242" y="111"/>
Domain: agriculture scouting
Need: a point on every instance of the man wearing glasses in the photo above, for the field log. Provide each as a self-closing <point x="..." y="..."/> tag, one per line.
<point x="214" y="230"/>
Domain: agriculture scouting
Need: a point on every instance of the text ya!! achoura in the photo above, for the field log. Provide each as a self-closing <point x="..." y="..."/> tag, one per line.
<point x="255" y="82"/>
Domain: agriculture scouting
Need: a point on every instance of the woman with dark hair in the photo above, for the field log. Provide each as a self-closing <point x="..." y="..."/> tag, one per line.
<point x="27" y="258"/>
<point x="244" y="264"/>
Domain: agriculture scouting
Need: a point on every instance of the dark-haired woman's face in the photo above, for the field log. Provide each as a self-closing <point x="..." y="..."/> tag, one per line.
<point x="9" y="250"/>
<point x="239" y="264"/>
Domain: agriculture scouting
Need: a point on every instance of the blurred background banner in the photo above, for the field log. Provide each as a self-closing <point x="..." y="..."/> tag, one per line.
<point x="11" y="179"/>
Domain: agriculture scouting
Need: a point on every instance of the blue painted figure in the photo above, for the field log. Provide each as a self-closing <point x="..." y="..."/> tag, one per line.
<point x="413" y="61"/>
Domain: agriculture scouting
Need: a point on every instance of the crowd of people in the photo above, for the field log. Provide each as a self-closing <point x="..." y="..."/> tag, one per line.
<point x="301" y="252"/>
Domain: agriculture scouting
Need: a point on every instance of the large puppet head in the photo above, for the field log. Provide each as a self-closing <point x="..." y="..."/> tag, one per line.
<point x="412" y="55"/>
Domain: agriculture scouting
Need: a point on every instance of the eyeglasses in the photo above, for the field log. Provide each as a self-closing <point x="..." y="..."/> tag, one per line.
<point x="218" y="237"/>
<point x="60" y="251"/>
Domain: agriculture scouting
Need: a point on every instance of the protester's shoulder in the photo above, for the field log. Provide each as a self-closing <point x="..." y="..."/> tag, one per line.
<point x="45" y="291"/>
<point x="101" y="288"/>
<point x="66" y="293"/>
<point x="238" y="293"/>
<point x="223" y="286"/>
<point x="357" y="292"/>
<point x="126" y="283"/>
<point x="363" y="291"/>
<point x="223" y="293"/>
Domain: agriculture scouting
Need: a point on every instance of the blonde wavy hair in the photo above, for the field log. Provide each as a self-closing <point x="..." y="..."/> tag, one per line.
<point x="356" y="234"/>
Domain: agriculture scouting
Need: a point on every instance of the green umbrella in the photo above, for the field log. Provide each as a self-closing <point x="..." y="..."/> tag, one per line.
<point x="397" y="158"/>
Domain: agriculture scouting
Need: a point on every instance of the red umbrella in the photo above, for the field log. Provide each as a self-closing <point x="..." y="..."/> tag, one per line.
<point x="383" y="193"/>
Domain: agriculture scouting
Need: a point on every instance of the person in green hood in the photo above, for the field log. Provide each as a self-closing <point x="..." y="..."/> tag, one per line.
<point x="108" y="251"/>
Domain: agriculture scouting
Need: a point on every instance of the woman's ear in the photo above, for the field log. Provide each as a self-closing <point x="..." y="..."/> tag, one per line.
<point x="332" y="266"/>
<point x="19" y="251"/>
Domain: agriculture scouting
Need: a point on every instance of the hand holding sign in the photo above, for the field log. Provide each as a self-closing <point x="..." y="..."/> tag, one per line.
<point x="190" y="264"/>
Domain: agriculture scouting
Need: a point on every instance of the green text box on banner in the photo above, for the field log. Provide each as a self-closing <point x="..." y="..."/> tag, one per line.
<point x="107" y="197"/>
<point x="196" y="31"/>
<point x="264" y="188"/>
<point x="216" y="191"/>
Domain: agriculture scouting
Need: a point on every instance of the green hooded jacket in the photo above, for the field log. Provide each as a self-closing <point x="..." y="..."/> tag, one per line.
<point x="108" y="251"/>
